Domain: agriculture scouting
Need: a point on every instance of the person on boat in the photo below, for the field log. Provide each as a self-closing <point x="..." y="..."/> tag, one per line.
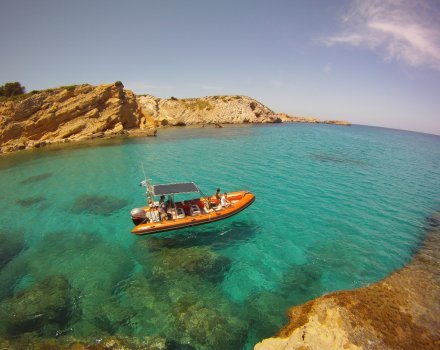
<point x="224" y="201"/>
<point x="217" y="194"/>
<point x="207" y="206"/>
<point x="170" y="203"/>
<point x="162" y="208"/>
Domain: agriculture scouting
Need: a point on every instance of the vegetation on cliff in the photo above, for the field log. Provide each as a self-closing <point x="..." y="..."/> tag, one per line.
<point x="11" y="90"/>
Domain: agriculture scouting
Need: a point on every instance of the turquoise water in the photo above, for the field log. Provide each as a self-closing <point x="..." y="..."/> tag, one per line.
<point x="336" y="208"/>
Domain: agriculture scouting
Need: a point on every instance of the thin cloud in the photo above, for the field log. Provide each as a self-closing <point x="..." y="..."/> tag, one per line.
<point x="401" y="30"/>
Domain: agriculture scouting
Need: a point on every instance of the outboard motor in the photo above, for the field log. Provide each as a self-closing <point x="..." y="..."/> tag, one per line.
<point x="138" y="216"/>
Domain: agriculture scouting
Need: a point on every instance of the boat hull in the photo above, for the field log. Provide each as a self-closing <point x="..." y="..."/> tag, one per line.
<point x="240" y="201"/>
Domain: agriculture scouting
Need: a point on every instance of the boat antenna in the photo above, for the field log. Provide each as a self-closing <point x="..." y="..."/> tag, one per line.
<point x="143" y="170"/>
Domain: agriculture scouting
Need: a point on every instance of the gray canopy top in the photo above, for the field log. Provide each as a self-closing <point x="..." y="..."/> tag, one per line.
<point x="167" y="189"/>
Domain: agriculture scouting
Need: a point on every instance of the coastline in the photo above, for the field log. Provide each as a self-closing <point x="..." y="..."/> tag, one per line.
<point x="86" y="112"/>
<point x="400" y="312"/>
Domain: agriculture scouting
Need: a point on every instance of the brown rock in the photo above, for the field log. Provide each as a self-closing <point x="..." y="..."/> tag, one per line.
<point x="68" y="114"/>
<point x="298" y="119"/>
<point x="211" y="110"/>
<point x="337" y="122"/>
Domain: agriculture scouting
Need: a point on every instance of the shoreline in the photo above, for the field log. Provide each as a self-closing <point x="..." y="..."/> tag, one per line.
<point x="84" y="112"/>
<point x="399" y="312"/>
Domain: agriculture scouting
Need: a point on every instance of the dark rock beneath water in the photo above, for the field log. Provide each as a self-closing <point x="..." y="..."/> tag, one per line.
<point x="100" y="205"/>
<point x="11" y="243"/>
<point x="201" y="261"/>
<point x="208" y="328"/>
<point x="36" y="178"/>
<point x="45" y="303"/>
<point x="232" y="232"/>
<point x="30" y="201"/>
<point x="303" y="280"/>
<point x="263" y="309"/>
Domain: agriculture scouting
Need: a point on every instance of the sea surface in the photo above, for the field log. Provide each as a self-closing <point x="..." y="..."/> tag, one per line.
<point x="336" y="208"/>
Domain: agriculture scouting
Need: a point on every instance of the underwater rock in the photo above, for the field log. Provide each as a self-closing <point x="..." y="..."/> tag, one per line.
<point x="11" y="274"/>
<point x="27" y="202"/>
<point x="103" y="343"/>
<point x="46" y="302"/>
<point x="232" y="232"/>
<point x="263" y="311"/>
<point x="36" y="178"/>
<point x="302" y="283"/>
<point x="111" y="316"/>
<point x="201" y="261"/>
<point x="93" y="266"/>
<point x="204" y="326"/>
<point x="11" y="243"/>
<point x="99" y="205"/>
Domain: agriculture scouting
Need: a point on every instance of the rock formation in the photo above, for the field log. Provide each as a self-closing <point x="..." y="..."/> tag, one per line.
<point x="45" y="303"/>
<point x="207" y="110"/>
<point x="70" y="114"/>
<point x="82" y="112"/>
<point x="400" y="312"/>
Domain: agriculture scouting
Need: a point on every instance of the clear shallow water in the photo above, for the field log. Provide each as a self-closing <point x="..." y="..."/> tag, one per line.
<point x="336" y="208"/>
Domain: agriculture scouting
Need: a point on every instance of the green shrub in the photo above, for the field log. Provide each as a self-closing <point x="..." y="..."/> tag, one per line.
<point x="119" y="83"/>
<point x="12" y="89"/>
<point x="68" y="87"/>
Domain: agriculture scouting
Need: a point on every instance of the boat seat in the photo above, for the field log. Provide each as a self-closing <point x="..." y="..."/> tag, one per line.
<point x="180" y="213"/>
<point x="194" y="210"/>
<point x="216" y="207"/>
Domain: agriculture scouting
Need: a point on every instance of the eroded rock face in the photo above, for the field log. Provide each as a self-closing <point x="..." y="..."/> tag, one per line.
<point x="213" y="110"/>
<point x="68" y="114"/>
<point x="400" y="312"/>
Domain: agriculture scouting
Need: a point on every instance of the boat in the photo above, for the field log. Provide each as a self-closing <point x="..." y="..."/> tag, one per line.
<point x="160" y="216"/>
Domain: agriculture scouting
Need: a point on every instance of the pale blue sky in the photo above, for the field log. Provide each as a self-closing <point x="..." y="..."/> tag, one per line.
<point x="371" y="62"/>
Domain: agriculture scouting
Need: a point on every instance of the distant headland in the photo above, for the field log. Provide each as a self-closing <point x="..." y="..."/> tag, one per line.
<point x="81" y="112"/>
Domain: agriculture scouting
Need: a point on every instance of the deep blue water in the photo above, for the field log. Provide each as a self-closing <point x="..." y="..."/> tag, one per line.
<point x="336" y="208"/>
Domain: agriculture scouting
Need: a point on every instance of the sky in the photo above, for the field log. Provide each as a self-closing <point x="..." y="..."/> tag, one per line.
<point x="374" y="62"/>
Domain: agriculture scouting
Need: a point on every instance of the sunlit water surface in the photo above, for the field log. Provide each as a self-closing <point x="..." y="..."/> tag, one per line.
<point x="336" y="208"/>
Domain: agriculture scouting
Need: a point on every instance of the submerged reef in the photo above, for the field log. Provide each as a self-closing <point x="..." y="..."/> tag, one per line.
<point x="44" y="305"/>
<point x="10" y="245"/>
<point x="400" y="312"/>
<point x="114" y="298"/>
<point x="99" y="205"/>
<point x="30" y="201"/>
<point x="36" y="178"/>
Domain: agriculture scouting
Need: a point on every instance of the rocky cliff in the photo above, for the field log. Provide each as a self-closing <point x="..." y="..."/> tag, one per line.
<point x="207" y="110"/>
<point x="82" y="112"/>
<point x="70" y="114"/>
<point x="400" y="312"/>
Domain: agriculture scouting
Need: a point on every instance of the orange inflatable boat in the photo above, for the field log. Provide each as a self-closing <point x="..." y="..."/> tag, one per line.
<point x="160" y="216"/>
